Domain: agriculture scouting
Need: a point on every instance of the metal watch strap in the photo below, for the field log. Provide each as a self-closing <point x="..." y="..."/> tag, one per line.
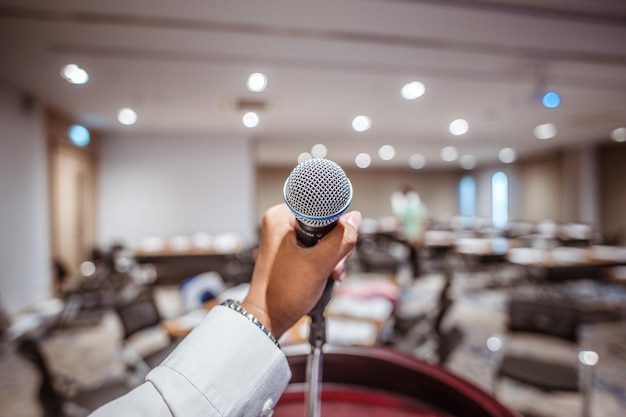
<point x="234" y="305"/>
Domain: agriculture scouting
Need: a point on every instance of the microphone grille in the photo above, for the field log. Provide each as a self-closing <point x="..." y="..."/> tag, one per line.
<point x="317" y="191"/>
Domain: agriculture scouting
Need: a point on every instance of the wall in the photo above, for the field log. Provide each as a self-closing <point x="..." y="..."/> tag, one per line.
<point x="613" y="192"/>
<point x="542" y="191"/>
<point x="153" y="185"/>
<point x="25" y="276"/>
<point x="373" y="188"/>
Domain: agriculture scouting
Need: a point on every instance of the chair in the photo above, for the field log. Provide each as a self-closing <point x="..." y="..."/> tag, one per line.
<point x="381" y="252"/>
<point x="57" y="397"/>
<point x="551" y="325"/>
<point x="141" y="319"/>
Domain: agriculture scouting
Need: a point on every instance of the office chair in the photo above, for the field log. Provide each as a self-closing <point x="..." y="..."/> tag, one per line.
<point x="140" y="317"/>
<point x="555" y="323"/>
<point x="381" y="252"/>
<point x="59" y="397"/>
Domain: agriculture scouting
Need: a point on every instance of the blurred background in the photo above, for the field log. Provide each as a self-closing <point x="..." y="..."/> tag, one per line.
<point x="141" y="142"/>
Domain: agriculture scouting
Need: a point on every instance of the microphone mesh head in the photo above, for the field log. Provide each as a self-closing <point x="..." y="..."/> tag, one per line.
<point x="318" y="192"/>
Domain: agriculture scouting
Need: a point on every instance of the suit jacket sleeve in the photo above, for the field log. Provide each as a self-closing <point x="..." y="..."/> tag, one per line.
<point x="225" y="367"/>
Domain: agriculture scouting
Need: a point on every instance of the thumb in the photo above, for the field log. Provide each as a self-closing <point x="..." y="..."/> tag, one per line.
<point x="341" y="240"/>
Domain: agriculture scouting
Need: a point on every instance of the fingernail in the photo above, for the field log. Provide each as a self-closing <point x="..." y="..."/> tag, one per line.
<point x="354" y="219"/>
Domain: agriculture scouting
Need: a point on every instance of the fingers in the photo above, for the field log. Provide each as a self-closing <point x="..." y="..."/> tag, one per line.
<point x="339" y="243"/>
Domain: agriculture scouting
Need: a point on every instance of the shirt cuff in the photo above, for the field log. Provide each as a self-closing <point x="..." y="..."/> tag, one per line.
<point x="224" y="366"/>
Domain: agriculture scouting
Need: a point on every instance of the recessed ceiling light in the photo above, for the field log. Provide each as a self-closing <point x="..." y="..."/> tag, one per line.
<point x="304" y="156"/>
<point x="79" y="135"/>
<point x="507" y="155"/>
<point x="257" y="82"/>
<point x="545" y="131"/>
<point x="413" y="90"/>
<point x="362" y="160"/>
<point x="319" y="151"/>
<point x="361" y="123"/>
<point x="250" y="119"/>
<point x="619" y="134"/>
<point x="551" y="100"/>
<point x="417" y="161"/>
<point x="449" y="153"/>
<point x="467" y="162"/>
<point x="386" y="152"/>
<point x="74" y="74"/>
<point x="127" y="116"/>
<point x="459" y="127"/>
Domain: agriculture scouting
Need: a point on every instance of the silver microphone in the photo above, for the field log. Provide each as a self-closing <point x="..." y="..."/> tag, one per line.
<point x="318" y="192"/>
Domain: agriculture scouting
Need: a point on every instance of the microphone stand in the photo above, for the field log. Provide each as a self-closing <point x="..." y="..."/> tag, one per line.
<point x="317" y="338"/>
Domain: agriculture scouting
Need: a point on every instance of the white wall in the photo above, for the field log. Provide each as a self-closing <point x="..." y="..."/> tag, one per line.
<point x="25" y="272"/>
<point x="165" y="185"/>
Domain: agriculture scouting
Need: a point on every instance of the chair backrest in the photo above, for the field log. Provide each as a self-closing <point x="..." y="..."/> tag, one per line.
<point x="50" y="399"/>
<point x="139" y="314"/>
<point x="554" y="317"/>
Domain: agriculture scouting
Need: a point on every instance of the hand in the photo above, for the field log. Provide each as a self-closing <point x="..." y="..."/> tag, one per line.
<point x="288" y="278"/>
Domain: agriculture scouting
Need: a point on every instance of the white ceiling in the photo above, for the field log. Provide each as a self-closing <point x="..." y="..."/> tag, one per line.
<point x="182" y="65"/>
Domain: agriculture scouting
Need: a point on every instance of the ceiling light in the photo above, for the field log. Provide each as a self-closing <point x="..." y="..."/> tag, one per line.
<point x="79" y="135"/>
<point x="459" y="127"/>
<point x="417" y="161"/>
<point x="413" y="90"/>
<point x="507" y="155"/>
<point x="257" y="82"/>
<point x="386" y="152"/>
<point x="250" y="119"/>
<point x="127" y="116"/>
<point x="449" y="153"/>
<point x="304" y="156"/>
<point x="361" y="123"/>
<point x="319" y="151"/>
<point x="545" y="131"/>
<point x="619" y="134"/>
<point x="362" y="160"/>
<point x="551" y="100"/>
<point x="74" y="74"/>
<point x="467" y="162"/>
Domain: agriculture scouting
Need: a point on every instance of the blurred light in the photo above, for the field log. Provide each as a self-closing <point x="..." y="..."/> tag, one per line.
<point x="361" y="123"/>
<point x="588" y="357"/>
<point x="362" y="160"/>
<point x="494" y="343"/>
<point x="413" y="90"/>
<point x="619" y="134"/>
<point x="417" y="161"/>
<point x="449" y="153"/>
<point x="467" y="162"/>
<point x="257" y="82"/>
<point x="319" y="151"/>
<point x="304" y="156"/>
<point x="79" y="135"/>
<point x="87" y="268"/>
<point x="386" y="152"/>
<point x="545" y="131"/>
<point x="127" y="116"/>
<point x="74" y="74"/>
<point x="551" y="100"/>
<point x="507" y="155"/>
<point x="250" y="119"/>
<point x="459" y="127"/>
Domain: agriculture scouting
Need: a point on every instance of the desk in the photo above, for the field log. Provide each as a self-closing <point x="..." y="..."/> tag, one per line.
<point x="563" y="263"/>
<point x="358" y="310"/>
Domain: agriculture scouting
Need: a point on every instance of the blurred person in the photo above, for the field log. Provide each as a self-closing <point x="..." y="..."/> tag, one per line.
<point x="412" y="216"/>
<point x="231" y="364"/>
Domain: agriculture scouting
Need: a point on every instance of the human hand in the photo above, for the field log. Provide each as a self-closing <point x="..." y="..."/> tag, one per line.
<point x="288" y="278"/>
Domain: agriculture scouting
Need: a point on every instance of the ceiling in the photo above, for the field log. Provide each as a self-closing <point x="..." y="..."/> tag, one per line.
<point x="182" y="65"/>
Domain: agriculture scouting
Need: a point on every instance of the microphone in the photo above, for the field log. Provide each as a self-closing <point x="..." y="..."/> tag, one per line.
<point x="318" y="192"/>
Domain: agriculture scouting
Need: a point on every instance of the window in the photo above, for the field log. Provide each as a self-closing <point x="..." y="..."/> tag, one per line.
<point x="499" y="199"/>
<point x="467" y="196"/>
